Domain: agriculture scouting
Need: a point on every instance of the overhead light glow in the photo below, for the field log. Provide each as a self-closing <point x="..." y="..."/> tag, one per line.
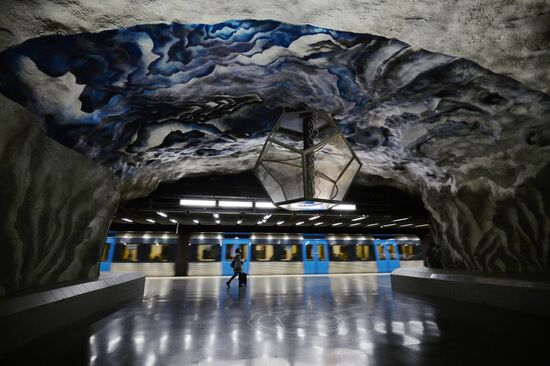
<point x="239" y="222"/>
<point x="373" y="224"/>
<point x="151" y="221"/>
<point x="337" y="224"/>
<point x="197" y="203"/>
<point x="265" y="205"/>
<point x="127" y="220"/>
<point x="241" y="204"/>
<point x="174" y="221"/>
<point x="266" y="217"/>
<point x="359" y="218"/>
<point x="280" y="222"/>
<point x="299" y="223"/>
<point x="217" y="221"/>
<point x="260" y="222"/>
<point x="319" y="223"/>
<point x="162" y="214"/>
<point x="216" y="215"/>
<point x="345" y="207"/>
<point x="314" y="218"/>
<point x="401" y="219"/>
<point x="195" y="221"/>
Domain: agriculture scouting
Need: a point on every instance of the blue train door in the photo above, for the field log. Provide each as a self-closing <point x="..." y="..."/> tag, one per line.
<point x="228" y="252"/>
<point x="315" y="254"/>
<point x="387" y="256"/>
<point x="107" y="256"/>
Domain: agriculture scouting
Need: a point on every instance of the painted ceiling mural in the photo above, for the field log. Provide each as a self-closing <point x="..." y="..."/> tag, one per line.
<point x="144" y="97"/>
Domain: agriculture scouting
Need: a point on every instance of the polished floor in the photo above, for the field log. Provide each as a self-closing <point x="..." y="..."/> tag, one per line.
<point x="303" y="320"/>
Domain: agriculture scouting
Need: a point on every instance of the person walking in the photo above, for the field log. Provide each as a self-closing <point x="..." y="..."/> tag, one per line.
<point x="237" y="265"/>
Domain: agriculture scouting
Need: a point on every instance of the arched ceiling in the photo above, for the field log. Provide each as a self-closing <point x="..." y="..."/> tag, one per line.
<point x="154" y="100"/>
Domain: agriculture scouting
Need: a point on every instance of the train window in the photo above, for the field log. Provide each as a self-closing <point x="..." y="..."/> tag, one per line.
<point x="381" y="253"/>
<point x="309" y="252"/>
<point x="339" y="252"/>
<point x="129" y="253"/>
<point x="158" y="252"/>
<point x="105" y="255"/>
<point x="392" y="249"/>
<point x="207" y="253"/>
<point x="230" y="251"/>
<point x="364" y="252"/>
<point x="408" y="251"/>
<point x="321" y="252"/>
<point x="289" y="253"/>
<point x="263" y="252"/>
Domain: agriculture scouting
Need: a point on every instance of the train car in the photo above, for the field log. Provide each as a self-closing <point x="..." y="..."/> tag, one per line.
<point x="210" y="254"/>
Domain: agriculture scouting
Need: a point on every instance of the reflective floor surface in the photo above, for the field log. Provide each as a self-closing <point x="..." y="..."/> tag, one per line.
<point x="303" y="320"/>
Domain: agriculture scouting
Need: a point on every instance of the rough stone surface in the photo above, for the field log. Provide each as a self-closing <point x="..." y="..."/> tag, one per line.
<point x="159" y="102"/>
<point x="508" y="37"/>
<point x="56" y="206"/>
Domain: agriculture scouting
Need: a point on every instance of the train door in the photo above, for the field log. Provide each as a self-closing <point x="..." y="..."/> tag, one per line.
<point x="315" y="254"/>
<point x="387" y="256"/>
<point x="107" y="255"/>
<point x="228" y="252"/>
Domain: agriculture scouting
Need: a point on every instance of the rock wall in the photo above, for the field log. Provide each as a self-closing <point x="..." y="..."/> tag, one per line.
<point x="56" y="207"/>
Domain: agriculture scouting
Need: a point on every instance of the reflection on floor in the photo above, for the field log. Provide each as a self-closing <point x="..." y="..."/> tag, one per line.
<point x="304" y="320"/>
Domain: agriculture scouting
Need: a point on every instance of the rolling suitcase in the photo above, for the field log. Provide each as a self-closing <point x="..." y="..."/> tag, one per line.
<point x="242" y="279"/>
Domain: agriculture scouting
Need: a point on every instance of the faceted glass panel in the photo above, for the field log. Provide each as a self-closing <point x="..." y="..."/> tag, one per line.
<point x="285" y="167"/>
<point x="346" y="179"/>
<point x="271" y="186"/>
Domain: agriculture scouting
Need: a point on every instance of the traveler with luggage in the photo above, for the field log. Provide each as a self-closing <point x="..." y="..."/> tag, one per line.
<point x="237" y="265"/>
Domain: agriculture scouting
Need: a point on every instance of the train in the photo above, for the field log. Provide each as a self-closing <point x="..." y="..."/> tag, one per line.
<point x="210" y="254"/>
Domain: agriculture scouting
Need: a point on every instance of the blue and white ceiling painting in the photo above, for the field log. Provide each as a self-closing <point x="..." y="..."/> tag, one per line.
<point x="153" y="95"/>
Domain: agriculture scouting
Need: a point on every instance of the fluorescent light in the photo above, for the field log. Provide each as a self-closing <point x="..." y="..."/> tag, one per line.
<point x="345" y="207"/>
<point x="280" y="222"/>
<point x="373" y="224"/>
<point x="195" y="221"/>
<point x="359" y="218"/>
<point x="242" y="204"/>
<point x="402" y="219"/>
<point x="358" y="223"/>
<point x="162" y="214"/>
<point x="216" y="215"/>
<point x="197" y="203"/>
<point x="151" y="221"/>
<point x="127" y="220"/>
<point x="319" y="223"/>
<point x="405" y="225"/>
<point x="387" y="225"/>
<point x="265" y="205"/>
<point x="260" y="222"/>
<point x="422" y="225"/>
<point x="337" y="224"/>
<point x="266" y="217"/>
<point x="239" y="222"/>
<point x="299" y="223"/>
<point x="217" y="221"/>
<point x="174" y="221"/>
<point x="314" y="217"/>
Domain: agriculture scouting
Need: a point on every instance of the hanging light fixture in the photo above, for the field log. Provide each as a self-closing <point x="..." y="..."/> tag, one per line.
<point x="306" y="163"/>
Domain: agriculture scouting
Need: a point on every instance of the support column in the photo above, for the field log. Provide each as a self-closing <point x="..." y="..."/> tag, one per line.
<point x="183" y="253"/>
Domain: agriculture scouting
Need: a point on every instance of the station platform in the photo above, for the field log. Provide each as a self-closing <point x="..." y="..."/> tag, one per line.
<point x="301" y="320"/>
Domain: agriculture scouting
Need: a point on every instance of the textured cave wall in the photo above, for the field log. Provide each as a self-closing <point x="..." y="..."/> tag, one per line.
<point x="509" y="37"/>
<point x="56" y="207"/>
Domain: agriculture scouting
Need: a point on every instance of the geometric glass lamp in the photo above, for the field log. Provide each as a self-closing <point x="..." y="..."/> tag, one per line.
<point x="306" y="163"/>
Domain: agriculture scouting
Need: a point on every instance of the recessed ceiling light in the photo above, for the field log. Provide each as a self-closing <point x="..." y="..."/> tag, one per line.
<point x="216" y="215"/>
<point x="405" y="225"/>
<point x="127" y="220"/>
<point x="260" y="222"/>
<point x="266" y="217"/>
<point x="314" y="217"/>
<point x="401" y="219"/>
<point x="217" y="221"/>
<point x="359" y="218"/>
<point x="299" y="223"/>
<point x="345" y="207"/>
<point x="242" y="204"/>
<point x="195" y="221"/>
<point x="174" y="221"/>
<point x="373" y="224"/>
<point x="239" y="222"/>
<point x="357" y="223"/>
<point x="387" y="225"/>
<point x="151" y="221"/>
<point x="197" y="203"/>
<point x="162" y="214"/>
<point x="265" y="205"/>
<point x="319" y="223"/>
<point x="422" y="225"/>
<point x="280" y="222"/>
<point x="337" y="224"/>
